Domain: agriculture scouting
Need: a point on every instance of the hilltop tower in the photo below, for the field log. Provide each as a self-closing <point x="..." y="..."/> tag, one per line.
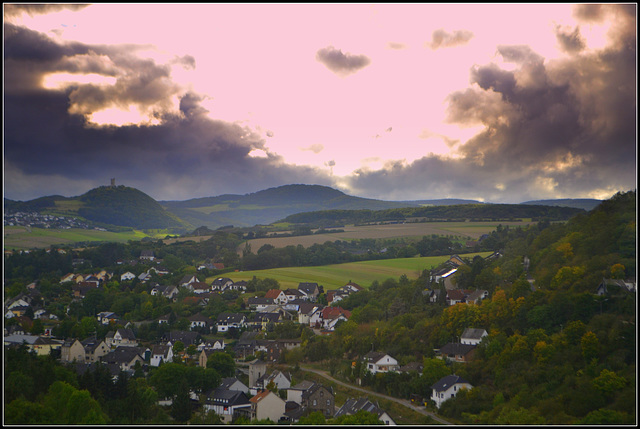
<point x="113" y="182"/>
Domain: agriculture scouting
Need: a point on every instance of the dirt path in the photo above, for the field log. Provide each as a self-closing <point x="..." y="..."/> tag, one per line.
<point x="403" y="402"/>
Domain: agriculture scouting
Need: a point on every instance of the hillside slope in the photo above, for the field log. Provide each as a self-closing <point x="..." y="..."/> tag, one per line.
<point x="268" y="206"/>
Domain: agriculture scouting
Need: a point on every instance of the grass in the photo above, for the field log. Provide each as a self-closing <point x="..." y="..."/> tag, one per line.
<point x="411" y="231"/>
<point x="335" y="276"/>
<point x="22" y="238"/>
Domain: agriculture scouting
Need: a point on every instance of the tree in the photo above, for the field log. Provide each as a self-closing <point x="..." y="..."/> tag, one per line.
<point x="362" y="417"/>
<point x="181" y="407"/>
<point x="313" y="418"/>
<point x="178" y="348"/>
<point x="434" y="369"/>
<point x="223" y="363"/>
<point x="590" y="346"/>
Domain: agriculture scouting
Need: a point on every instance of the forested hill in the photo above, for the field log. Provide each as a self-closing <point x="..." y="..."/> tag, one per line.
<point x="579" y="203"/>
<point x="124" y="206"/>
<point x="107" y="206"/>
<point x="449" y="212"/>
<point x="269" y="205"/>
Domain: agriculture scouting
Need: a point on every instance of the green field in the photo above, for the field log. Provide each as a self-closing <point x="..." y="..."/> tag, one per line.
<point x="21" y="238"/>
<point x="335" y="276"/>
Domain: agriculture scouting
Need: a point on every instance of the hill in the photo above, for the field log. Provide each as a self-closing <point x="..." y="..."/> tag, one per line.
<point x="459" y="212"/>
<point x="108" y="206"/>
<point x="268" y="206"/>
<point x="580" y="203"/>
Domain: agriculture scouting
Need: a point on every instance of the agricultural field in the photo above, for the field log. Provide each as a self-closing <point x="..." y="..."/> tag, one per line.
<point x="22" y="238"/>
<point x="335" y="276"/>
<point x="463" y="230"/>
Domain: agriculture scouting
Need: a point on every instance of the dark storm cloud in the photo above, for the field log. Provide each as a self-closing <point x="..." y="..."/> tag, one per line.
<point x="51" y="148"/>
<point x="564" y="127"/>
<point x="341" y="63"/>
<point x="442" y="39"/>
<point x="570" y="41"/>
<point x="11" y="10"/>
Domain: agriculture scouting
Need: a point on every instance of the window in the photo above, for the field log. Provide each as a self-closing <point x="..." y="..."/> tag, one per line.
<point x="315" y="402"/>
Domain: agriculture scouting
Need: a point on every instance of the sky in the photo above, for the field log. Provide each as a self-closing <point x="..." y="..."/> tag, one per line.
<point x="499" y="103"/>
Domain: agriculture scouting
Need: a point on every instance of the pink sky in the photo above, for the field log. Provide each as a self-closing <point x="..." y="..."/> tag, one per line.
<point x="258" y="65"/>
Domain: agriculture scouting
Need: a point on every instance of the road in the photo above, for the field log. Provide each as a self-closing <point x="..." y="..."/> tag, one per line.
<point x="403" y="402"/>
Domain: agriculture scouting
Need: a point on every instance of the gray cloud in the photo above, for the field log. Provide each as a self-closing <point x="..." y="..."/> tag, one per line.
<point x="11" y="10"/>
<point x="558" y="128"/>
<point x="442" y="39"/>
<point x="340" y="63"/>
<point x="570" y="41"/>
<point x="186" y="154"/>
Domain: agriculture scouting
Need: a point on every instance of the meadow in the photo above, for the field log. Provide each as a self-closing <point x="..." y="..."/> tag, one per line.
<point x="335" y="276"/>
<point x="22" y="238"/>
<point x="416" y="230"/>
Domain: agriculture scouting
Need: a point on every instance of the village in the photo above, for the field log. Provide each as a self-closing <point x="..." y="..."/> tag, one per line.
<point x="241" y="333"/>
<point x="40" y="220"/>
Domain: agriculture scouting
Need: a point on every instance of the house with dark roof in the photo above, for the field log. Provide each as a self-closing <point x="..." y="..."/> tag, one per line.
<point x="447" y="388"/>
<point x="319" y="398"/>
<point x="147" y="255"/>
<point x="260" y="321"/>
<point x="310" y="290"/>
<point x="227" y="404"/>
<point x="473" y="336"/>
<point x="125" y="357"/>
<point x="232" y="383"/>
<point x="259" y="303"/>
<point x="411" y="367"/>
<point x="380" y="362"/>
<point x="227" y="321"/>
<point x="161" y="353"/>
<point x="94" y="349"/>
<point x="186" y="280"/>
<point x="353" y="405"/>
<point x="280" y="379"/>
<point x="456" y="352"/>
<point x="200" y="321"/>
<point x="122" y="337"/>
<point x="615" y="286"/>
<point x="221" y="284"/>
<point x="186" y="337"/>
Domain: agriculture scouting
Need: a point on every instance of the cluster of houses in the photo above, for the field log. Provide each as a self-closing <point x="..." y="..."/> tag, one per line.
<point x="445" y="388"/>
<point x="38" y="220"/>
<point x="271" y="395"/>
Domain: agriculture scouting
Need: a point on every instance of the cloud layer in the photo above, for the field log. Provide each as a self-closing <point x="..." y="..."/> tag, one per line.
<point x="562" y="127"/>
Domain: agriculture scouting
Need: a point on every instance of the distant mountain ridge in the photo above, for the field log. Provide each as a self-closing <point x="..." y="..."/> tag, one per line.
<point x="578" y="203"/>
<point x="270" y="205"/>
<point x="128" y="207"/>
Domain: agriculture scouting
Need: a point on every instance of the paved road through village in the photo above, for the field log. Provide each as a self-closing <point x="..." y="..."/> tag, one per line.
<point x="403" y="402"/>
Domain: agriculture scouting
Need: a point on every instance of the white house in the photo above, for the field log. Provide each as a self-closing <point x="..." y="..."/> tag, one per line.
<point x="448" y="387"/>
<point x="380" y="362"/>
<point x="230" y="320"/>
<point x="127" y="276"/>
<point x="473" y="336"/>
<point x="226" y="402"/>
<point x="161" y="353"/>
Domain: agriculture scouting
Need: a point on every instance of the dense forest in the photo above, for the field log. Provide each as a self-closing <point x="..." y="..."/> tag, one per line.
<point x="434" y="213"/>
<point x="556" y="353"/>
